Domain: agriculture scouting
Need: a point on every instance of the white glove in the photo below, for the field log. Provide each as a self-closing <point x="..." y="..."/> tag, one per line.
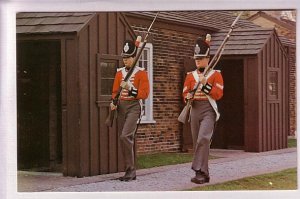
<point x="189" y="96"/>
<point x="112" y="106"/>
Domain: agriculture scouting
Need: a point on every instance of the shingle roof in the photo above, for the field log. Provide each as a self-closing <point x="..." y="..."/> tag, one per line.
<point x="241" y="41"/>
<point x="287" y="42"/>
<point x="73" y="22"/>
<point x="282" y="22"/>
<point x="51" y="22"/>
<point x="215" y="20"/>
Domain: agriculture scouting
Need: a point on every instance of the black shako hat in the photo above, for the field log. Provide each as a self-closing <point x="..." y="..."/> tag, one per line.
<point x="129" y="49"/>
<point x="202" y="47"/>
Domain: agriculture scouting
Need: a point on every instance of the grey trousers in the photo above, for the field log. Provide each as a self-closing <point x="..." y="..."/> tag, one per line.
<point x="202" y="125"/>
<point x="128" y="115"/>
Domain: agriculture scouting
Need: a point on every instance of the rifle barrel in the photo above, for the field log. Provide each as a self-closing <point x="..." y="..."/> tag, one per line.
<point x="150" y="27"/>
<point x="220" y="50"/>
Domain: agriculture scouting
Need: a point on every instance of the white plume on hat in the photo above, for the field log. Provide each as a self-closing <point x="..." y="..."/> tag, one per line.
<point x="138" y="41"/>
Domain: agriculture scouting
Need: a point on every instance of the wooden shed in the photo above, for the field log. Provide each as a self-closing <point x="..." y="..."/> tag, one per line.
<point x="254" y="108"/>
<point x="285" y="27"/>
<point x="66" y="64"/>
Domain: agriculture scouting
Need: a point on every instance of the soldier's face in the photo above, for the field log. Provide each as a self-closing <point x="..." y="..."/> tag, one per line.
<point x="128" y="61"/>
<point x="202" y="62"/>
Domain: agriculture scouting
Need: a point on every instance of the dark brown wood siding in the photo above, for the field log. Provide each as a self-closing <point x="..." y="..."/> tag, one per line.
<point x="70" y="108"/>
<point x="266" y="99"/>
<point x="276" y="118"/>
<point x="251" y="104"/>
<point x="99" y="47"/>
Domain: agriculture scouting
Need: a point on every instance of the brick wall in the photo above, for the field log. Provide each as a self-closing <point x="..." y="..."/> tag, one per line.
<point x="292" y="90"/>
<point x="170" y="48"/>
<point x="292" y="78"/>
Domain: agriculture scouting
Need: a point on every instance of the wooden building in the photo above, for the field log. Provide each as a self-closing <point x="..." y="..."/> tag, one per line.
<point x="66" y="65"/>
<point x="286" y="30"/>
<point x="261" y="69"/>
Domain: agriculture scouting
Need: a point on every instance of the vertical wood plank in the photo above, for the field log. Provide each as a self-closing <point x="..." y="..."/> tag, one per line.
<point x="252" y="131"/>
<point x="264" y="99"/>
<point x="84" y="90"/>
<point x="260" y="103"/>
<point x="64" y="108"/>
<point x="103" y="33"/>
<point x="104" y="140"/>
<point x="73" y="108"/>
<point x="94" y="128"/>
<point x="112" y="34"/>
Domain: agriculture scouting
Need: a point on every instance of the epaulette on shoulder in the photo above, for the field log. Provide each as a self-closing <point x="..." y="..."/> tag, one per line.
<point x="139" y="68"/>
<point x="189" y="72"/>
<point x="119" y="69"/>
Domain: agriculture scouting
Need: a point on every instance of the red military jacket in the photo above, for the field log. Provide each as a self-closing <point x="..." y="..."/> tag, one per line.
<point x="139" y="80"/>
<point x="215" y="79"/>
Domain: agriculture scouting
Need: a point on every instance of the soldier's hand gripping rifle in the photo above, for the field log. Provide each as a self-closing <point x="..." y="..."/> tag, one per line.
<point x="185" y="112"/>
<point x="112" y="113"/>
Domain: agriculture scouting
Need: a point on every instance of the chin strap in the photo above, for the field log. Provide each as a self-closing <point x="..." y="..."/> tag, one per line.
<point x="201" y="70"/>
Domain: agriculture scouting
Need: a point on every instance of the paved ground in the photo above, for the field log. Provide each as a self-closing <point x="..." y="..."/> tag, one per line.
<point x="234" y="164"/>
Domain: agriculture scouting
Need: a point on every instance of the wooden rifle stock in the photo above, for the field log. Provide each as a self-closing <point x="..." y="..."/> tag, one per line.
<point x="185" y="112"/>
<point x="112" y="113"/>
<point x="111" y="117"/>
<point x="184" y="115"/>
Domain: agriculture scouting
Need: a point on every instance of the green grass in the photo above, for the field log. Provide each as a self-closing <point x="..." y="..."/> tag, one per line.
<point x="162" y="159"/>
<point x="292" y="142"/>
<point x="283" y="180"/>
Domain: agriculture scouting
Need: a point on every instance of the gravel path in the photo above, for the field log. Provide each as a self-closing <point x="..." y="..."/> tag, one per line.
<point x="177" y="177"/>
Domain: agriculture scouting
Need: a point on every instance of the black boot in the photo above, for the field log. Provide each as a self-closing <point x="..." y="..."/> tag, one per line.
<point x="130" y="175"/>
<point x="121" y="178"/>
<point x="200" y="178"/>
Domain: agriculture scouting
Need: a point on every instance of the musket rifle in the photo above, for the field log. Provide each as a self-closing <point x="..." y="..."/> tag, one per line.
<point x="112" y="113"/>
<point x="185" y="112"/>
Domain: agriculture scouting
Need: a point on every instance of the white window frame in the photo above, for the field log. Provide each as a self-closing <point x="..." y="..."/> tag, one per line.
<point x="147" y="118"/>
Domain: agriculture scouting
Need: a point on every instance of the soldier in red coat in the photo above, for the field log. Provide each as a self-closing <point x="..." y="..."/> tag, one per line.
<point x="204" y="111"/>
<point x="129" y="106"/>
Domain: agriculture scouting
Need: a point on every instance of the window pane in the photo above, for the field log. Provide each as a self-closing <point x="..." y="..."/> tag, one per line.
<point x="108" y="71"/>
<point x="106" y="86"/>
<point x="145" y="64"/>
<point x="273" y="84"/>
<point x="140" y="64"/>
<point x="145" y="54"/>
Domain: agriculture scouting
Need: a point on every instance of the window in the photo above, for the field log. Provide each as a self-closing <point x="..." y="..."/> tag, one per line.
<point x="146" y="61"/>
<point x="108" y="71"/>
<point x="273" y="85"/>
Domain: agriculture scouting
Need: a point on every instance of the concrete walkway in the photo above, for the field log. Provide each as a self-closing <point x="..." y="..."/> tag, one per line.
<point x="233" y="165"/>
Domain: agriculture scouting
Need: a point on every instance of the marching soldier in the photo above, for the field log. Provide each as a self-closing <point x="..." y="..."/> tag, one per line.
<point x="204" y="112"/>
<point x="129" y="106"/>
